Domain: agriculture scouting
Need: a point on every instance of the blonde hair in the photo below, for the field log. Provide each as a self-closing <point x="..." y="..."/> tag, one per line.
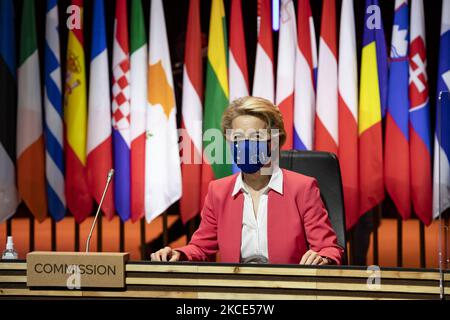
<point x="257" y="107"/>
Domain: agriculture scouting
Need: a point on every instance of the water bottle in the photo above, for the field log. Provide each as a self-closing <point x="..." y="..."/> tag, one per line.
<point x="9" y="253"/>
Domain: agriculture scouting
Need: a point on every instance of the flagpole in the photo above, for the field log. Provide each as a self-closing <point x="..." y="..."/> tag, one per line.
<point x="142" y="230"/>
<point x="399" y="242"/>
<point x="376" y="213"/>
<point x="165" y="229"/>
<point x="53" y="235"/>
<point x="422" y="244"/>
<point x="9" y="227"/>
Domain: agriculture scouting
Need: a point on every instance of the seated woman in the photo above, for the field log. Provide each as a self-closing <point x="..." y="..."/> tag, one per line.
<point x="264" y="214"/>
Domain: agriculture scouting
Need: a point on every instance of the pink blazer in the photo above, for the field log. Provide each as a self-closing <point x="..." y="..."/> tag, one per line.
<point x="297" y="221"/>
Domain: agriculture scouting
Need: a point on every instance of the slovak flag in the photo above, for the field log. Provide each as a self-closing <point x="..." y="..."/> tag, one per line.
<point x="419" y="117"/>
<point x="441" y="175"/>
<point x="396" y="169"/>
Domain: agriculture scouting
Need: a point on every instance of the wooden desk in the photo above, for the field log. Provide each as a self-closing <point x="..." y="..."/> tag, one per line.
<point x="226" y="281"/>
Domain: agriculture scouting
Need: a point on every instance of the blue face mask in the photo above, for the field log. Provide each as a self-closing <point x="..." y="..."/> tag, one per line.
<point x="250" y="155"/>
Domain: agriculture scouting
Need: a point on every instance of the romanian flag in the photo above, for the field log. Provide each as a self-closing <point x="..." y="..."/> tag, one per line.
<point x="216" y="99"/>
<point x="30" y="138"/>
<point x="373" y="86"/>
<point x="78" y="197"/>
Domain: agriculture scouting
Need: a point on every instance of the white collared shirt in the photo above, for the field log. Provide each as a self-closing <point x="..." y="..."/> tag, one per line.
<point x="254" y="228"/>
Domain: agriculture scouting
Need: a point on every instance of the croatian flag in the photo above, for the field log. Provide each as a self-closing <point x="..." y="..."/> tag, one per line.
<point x="121" y="111"/>
<point x="396" y="169"/>
<point x="54" y="155"/>
<point x="441" y="176"/>
<point x="419" y="117"/>
<point x="305" y="68"/>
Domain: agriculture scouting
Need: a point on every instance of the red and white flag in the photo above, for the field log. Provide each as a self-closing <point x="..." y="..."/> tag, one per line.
<point x="286" y="72"/>
<point x="348" y="113"/>
<point x="305" y="68"/>
<point x="192" y="114"/>
<point x="263" y="81"/>
<point x="237" y="62"/>
<point x="326" y="126"/>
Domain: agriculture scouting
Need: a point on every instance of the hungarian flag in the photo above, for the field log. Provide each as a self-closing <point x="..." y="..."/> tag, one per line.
<point x="287" y="44"/>
<point x="326" y="124"/>
<point x="396" y="145"/>
<point x="419" y="117"/>
<point x="8" y="196"/>
<point x="162" y="165"/>
<point x="30" y="138"/>
<point x="99" y="140"/>
<point x="191" y="120"/>
<point x="121" y="111"/>
<point x="237" y="62"/>
<point x="305" y="68"/>
<point x="373" y="85"/>
<point x="348" y="113"/>
<point x="441" y="174"/>
<point x="54" y="136"/>
<point x="138" y="105"/>
<point x="78" y="197"/>
<point x="263" y="79"/>
<point x="216" y="100"/>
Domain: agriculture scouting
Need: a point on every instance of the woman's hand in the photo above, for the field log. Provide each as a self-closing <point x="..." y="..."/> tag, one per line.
<point x="313" y="258"/>
<point x="166" y="254"/>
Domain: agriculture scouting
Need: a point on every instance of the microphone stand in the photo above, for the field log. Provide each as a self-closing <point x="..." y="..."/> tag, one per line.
<point x="108" y="180"/>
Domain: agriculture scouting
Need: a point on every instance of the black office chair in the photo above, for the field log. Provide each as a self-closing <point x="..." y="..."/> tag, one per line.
<point x="323" y="166"/>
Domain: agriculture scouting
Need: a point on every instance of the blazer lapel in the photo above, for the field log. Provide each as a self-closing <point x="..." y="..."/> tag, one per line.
<point x="275" y="205"/>
<point x="235" y="215"/>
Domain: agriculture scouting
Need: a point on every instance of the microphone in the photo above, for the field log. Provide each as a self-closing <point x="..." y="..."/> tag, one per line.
<point x="108" y="180"/>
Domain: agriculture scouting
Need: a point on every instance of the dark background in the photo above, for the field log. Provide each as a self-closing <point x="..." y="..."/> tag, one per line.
<point x="176" y="12"/>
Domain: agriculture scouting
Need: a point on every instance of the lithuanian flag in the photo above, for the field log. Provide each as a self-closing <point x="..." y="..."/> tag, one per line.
<point x="216" y="150"/>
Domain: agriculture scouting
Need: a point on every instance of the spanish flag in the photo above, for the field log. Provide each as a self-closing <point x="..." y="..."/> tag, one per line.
<point x="30" y="138"/>
<point x="78" y="198"/>
<point x="372" y="101"/>
<point x="216" y="99"/>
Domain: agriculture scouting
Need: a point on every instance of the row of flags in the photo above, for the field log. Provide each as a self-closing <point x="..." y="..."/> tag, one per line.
<point x="63" y="160"/>
<point x="130" y="124"/>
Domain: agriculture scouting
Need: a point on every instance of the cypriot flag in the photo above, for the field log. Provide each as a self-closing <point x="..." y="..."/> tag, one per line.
<point x="162" y="165"/>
